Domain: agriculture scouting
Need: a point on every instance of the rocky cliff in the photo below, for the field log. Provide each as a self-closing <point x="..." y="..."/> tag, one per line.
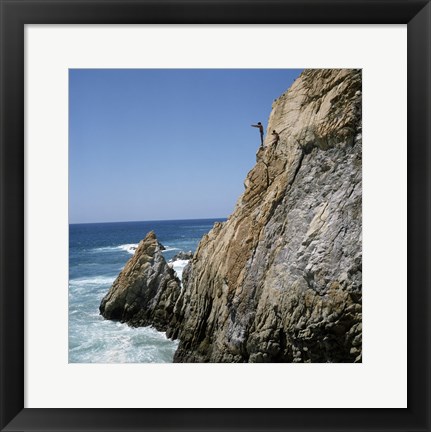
<point x="281" y="280"/>
<point x="145" y="291"/>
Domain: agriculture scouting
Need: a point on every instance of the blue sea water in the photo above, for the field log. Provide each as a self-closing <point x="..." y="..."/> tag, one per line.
<point x="97" y="253"/>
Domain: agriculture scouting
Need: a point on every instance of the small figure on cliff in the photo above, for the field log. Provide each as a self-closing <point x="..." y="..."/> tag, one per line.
<point x="276" y="137"/>
<point x="259" y="125"/>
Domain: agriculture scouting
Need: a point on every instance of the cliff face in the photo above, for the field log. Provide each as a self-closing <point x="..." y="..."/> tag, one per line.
<point x="145" y="291"/>
<point x="281" y="280"/>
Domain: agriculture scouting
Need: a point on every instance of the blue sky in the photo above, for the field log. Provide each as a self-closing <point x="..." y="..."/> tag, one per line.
<point x="148" y="144"/>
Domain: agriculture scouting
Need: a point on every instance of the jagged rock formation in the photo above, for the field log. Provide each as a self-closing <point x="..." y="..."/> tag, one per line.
<point x="145" y="291"/>
<point x="281" y="280"/>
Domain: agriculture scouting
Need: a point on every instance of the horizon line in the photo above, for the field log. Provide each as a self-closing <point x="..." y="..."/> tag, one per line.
<point x="152" y="220"/>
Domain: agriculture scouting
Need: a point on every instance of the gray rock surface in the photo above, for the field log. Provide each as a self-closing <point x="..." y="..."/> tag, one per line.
<point x="281" y="280"/>
<point x="145" y="291"/>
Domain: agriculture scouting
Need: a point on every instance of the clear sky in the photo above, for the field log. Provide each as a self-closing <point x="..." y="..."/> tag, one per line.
<point x="148" y="144"/>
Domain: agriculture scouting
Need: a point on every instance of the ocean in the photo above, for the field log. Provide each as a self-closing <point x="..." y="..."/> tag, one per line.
<point x="97" y="253"/>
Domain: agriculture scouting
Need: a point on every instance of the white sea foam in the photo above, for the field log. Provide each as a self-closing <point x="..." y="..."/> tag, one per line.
<point x="113" y="342"/>
<point x="169" y="248"/>
<point x="96" y="280"/>
<point x="130" y="248"/>
<point x="178" y="266"/>
<point x="85" y="287"/>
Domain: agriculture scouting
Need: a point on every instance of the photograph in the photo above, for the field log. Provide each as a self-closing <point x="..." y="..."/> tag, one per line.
<point x="187" y="207"/>
<point x="215" y="216"/>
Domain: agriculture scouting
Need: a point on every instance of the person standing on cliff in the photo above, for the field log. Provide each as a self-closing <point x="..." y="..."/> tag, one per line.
<point x="259" y="125"/>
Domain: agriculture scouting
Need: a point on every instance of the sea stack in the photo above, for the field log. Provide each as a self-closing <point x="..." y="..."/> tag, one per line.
<point x="281" y="280"/>
<point x="145" y="291"/>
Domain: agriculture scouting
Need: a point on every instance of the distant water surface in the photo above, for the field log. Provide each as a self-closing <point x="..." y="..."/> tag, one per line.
<point x="97" y="253"/>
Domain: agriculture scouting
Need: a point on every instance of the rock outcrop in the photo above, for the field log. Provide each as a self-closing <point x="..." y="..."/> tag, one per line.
<point x="145" y="291"/>
<point x="281" y="280"/>
<point x="182" y="256"/>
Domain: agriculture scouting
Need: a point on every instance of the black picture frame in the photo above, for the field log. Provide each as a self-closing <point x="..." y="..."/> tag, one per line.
<point x="15" y="14"/>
